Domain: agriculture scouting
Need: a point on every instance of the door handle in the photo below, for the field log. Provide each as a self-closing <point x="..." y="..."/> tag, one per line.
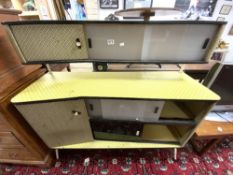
<point x="76" y="113"/>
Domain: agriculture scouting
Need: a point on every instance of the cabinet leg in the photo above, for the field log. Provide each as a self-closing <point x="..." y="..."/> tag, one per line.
<point x="57" y="154"/>
<point x="175" y="153"/>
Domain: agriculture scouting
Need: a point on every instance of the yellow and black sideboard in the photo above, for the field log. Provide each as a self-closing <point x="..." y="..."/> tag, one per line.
<point x="115" y="109"/>
<point x="58" y="107"/>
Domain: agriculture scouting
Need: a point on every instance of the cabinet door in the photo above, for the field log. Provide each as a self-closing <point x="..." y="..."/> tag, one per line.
<point x="123" y="109"/>
<point x="46" y="42"/>
<point x="58" y="123"/>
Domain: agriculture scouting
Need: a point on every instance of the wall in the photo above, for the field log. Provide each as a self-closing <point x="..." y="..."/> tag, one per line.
<point x="229" y="19"/>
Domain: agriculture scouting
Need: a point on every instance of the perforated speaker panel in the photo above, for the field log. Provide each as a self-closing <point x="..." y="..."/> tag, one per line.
<point x="45" y="42"/>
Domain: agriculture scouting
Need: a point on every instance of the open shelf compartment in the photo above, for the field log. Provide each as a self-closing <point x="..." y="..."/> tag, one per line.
<point x="138" y="132"/>
<point x="175" y="122"/>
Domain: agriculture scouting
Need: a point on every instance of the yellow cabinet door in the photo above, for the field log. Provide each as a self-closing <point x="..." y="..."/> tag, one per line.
<point x="58" y="123"/>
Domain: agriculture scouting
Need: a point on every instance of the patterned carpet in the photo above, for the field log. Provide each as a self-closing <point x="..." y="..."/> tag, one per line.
<point x="135" y="162"/>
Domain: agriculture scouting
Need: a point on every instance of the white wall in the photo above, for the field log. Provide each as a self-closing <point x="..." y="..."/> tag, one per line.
<point x="229" y="19"/>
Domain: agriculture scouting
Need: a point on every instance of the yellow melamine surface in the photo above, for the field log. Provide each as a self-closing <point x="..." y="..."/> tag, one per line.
<point x="157" y="132"/>
<point x="96" y="144"/>
<point x="147" y="85"/>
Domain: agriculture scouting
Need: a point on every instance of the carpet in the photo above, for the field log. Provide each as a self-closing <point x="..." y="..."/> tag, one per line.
<point x="135" y="162"/>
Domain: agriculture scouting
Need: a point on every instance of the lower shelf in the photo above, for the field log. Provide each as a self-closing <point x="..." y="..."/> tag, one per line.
<point x="159" y="133"/>
<point x="150" y="133"/>
<point x="97" y="144"/>
<point x="158" y="137"/>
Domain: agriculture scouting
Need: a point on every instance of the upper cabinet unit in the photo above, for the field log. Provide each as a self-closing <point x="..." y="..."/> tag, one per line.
<point x="122" y="41"/>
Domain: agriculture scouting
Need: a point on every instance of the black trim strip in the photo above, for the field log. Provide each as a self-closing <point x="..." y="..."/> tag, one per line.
<point x="160" y="121"/>
<point x="114" y="61"/>
<point x="112" y="22"/>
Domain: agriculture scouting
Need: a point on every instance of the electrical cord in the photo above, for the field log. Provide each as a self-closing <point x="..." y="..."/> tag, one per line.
<point x="224" y="118"/>
<point x="68" y="14"/>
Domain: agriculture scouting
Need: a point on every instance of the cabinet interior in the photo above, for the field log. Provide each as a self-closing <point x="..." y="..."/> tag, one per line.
<point x="176" y="119"/>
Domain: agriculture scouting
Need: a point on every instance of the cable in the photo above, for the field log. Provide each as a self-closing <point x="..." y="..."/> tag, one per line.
<point x="68" y="14"/>
<point x="224" y="118"/>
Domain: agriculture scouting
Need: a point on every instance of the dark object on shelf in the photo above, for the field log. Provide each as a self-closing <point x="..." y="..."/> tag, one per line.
<point x="133" y="131"/>
<point x="122" y="130"/>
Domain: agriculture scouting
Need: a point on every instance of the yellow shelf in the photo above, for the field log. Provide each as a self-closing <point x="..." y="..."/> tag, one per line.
<point x="138" y="85"/>
<point x="152" y="132"/>
<point x="97" y="144"/>
<point x="171" y="110"/>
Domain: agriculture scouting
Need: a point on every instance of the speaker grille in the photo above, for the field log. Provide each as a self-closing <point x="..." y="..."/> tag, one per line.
<point x="46" y="42"/>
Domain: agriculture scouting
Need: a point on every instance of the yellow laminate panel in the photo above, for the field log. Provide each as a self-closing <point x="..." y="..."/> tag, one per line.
<point x="157" y="132"/>
<point x="171" y="110"/>
<point x="116" y="145"/>
<point x="146" y="85"/>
